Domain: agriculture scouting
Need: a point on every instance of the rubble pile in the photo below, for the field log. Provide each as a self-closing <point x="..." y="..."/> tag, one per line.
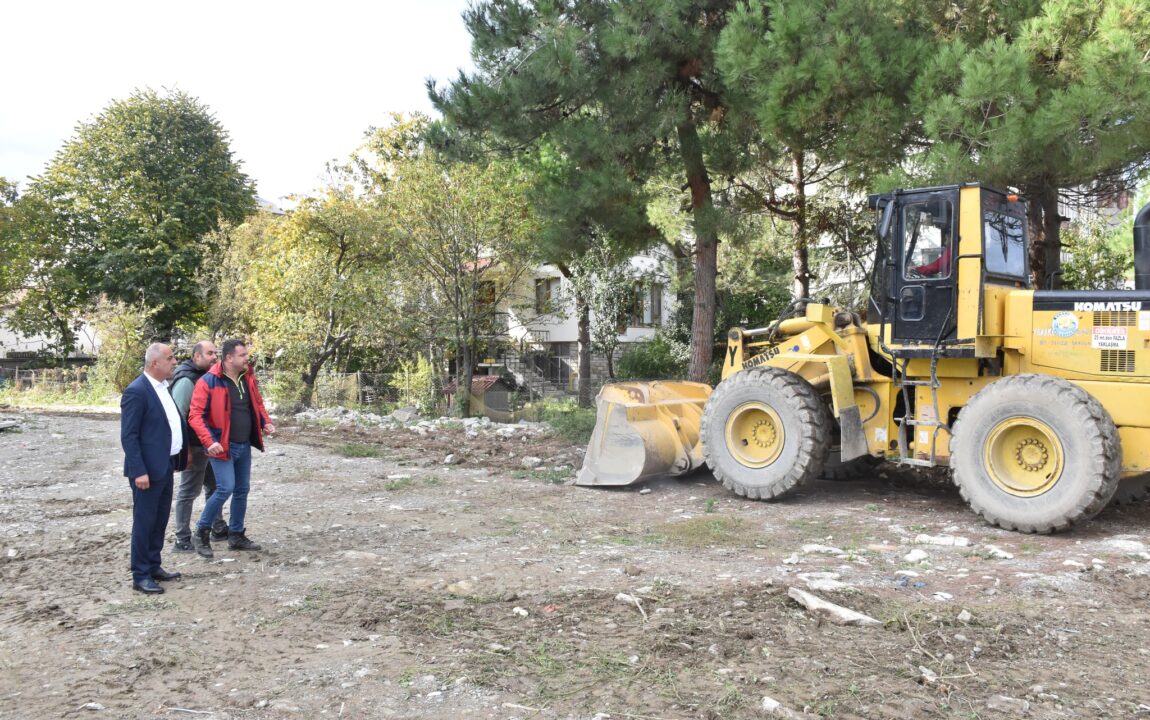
<point x="409" y="419"/>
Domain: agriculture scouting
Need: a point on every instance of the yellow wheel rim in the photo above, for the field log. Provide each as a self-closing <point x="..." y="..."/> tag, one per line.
<point x="1023" y="456"/>
<point x="755" y="434"/>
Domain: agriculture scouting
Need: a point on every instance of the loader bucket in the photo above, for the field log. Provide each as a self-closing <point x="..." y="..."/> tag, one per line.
<point x="644" y="429"/>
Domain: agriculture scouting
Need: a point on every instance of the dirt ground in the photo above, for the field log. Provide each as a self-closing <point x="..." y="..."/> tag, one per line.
<point x="396" y="586"/>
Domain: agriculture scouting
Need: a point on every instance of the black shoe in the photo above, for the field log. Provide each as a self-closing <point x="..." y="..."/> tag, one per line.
<point x="182" y="546"/>
<point x="147" y="586"/>
<point x="239" y="541"/>
<point x="219" y="532"/>
<point x="163" y="575"/>
<point x="203" y="543"/>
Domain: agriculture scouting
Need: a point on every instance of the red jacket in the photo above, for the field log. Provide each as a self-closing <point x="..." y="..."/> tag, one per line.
<point x="210" y="414"/>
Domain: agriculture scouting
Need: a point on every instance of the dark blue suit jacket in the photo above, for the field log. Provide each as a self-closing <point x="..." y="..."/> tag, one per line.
<point x="145" y="433"/>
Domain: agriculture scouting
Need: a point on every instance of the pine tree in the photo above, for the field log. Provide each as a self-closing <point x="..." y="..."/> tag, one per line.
<point x="635" y="83"/>
<point x="1060" y="101"/>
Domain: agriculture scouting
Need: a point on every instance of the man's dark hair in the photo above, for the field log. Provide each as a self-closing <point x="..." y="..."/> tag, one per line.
<point x="198" y="348"/>
<point x="229" y="348"/>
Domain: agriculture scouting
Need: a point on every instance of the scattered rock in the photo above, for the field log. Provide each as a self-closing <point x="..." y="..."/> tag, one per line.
<point x="92" y="706"/>
<point x="823" y="581"/>
<point x="822" y="549"/>
<point x="645" y="491"/>
<point x="519" y="611"/>
<point x="633" y="570"/>
<point x="530" y="462"/>
<point x="463" y="587"/>
<point x="915" y="555"/>
<point x="996" y="552"/>
<point x="632" y="600"/>
<point x="943" y="540"/>
<point x="360" y="555"/>
<point x="1008" y="705"/>
<point x="449" y="460"/>
<point x="406" y="414"/>
<point x="774" y="709"/>
<point x="965" y="617"/>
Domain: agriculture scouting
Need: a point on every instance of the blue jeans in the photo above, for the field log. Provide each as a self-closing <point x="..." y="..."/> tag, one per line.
<point x="233" y="479"/>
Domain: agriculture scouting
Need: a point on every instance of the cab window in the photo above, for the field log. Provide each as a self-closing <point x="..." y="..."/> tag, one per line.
<point x="928" y="236"/>
<point x="1004" y="236"/>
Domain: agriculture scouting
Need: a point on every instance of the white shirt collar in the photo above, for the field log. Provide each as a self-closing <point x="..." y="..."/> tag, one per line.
<point x="156" y="383"/>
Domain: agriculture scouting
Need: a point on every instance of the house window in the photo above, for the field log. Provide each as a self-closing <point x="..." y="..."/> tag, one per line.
<point x="546" y="295"/>
<point x="647" y="310"/>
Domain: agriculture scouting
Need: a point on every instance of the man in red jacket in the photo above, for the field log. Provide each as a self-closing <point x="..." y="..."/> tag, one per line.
<point x="228" y="416"/>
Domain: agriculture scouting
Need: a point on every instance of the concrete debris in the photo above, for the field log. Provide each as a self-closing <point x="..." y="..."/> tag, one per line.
<point x="10" y="422"/>
<point x="835" y="613"/>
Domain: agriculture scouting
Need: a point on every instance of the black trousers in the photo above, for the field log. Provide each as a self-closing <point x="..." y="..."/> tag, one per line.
<point x="150" y="511"/>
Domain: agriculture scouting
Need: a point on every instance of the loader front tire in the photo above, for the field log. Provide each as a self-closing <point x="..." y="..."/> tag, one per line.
<point x="839" y="470"/>
<point x="1035" y="454"/>
<point x="1132" y="489"/>
<point x="765" y="431"/>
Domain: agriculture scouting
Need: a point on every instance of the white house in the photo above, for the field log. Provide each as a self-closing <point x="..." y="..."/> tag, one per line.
<point x="542" y="322"/>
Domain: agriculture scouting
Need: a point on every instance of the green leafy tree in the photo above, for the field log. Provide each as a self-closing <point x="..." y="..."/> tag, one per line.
<point x="462" y="233"/>
<point x="608" y="282"/>
<point x="13" y="248"/>
<point x="1097" y="255"/>
<point x="1059" y="101"/>
<point x="312" y="283"/>
<point x="636" y="80"/>
<point x="125" y="331"/>
<point x="130" y="203"/>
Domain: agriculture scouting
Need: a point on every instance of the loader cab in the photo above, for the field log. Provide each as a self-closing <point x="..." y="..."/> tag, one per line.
<point x="938" y="248"/>
<point x="915" y="272"/>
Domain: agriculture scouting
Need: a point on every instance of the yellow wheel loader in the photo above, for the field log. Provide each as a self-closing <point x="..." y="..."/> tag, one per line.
<point x="1038" y="400"/>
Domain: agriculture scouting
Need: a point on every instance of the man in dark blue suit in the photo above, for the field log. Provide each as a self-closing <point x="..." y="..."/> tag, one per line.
<point x="152" y="437"/>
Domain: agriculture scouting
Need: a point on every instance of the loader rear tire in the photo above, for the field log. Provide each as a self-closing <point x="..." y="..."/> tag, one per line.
<point x="765" y="431"/>
<point x="1035" y="454"/>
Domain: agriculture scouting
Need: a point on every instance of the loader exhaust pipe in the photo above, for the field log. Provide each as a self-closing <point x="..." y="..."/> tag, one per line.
<point x="1142" y="248"/>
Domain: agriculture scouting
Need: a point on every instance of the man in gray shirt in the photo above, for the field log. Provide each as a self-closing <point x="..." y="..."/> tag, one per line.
<point x="198" y="475"/>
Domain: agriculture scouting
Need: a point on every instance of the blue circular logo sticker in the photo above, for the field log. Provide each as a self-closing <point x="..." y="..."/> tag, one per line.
<point x="1064" y="324"/>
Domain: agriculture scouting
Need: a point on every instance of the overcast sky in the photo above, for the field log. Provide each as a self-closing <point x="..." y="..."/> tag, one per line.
<point x="294" y="84"/>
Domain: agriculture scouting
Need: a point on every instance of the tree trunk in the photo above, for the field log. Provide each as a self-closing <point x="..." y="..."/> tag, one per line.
<point x="800" y="256"/>
<point x="706" y="253"/>
<point x="463" y="386"/>
<point x="1045" y="243"/>
<point x="583" y="309"/>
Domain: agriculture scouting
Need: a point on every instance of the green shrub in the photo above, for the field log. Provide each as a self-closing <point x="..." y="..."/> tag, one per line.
<point x="569" y="421"/>
<point x="660" y="358"/>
